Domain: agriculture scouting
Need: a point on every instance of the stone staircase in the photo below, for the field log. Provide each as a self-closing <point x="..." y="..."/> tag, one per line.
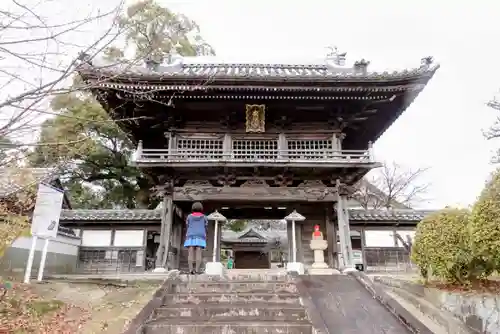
<point x="242" y="303"/>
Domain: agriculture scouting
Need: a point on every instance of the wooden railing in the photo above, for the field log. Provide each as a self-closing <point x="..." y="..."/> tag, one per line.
<point x="158" y="156"/>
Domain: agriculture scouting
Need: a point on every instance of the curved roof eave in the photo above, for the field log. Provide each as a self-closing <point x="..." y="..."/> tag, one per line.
<point x="125" y="73"/>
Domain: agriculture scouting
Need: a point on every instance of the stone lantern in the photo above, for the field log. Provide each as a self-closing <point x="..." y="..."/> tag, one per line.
<point x="293" y="265"/>
<point x="215" y="268"/>
<point x="318" y="245"/>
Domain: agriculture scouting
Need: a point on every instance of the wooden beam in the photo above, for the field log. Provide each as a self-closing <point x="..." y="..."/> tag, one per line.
<point x="261" y="194"/>
<point x="256" y="213"/>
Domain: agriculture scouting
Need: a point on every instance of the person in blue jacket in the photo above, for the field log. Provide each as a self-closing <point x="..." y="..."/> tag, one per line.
<point x="196" y="237"/>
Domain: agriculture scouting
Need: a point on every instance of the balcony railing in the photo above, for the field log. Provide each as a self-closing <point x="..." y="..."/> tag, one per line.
<point x="322" y="156"/>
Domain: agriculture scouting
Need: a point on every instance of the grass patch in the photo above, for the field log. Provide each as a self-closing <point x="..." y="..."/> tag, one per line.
<point x="42" y="307"/>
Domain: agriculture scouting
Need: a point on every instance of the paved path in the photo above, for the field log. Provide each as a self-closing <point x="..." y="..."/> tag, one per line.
<point x="348" y="307"/>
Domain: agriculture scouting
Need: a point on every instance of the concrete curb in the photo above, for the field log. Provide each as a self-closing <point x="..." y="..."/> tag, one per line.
<point x="415" y="288"/>
<point x="408" y="319"/>
<point x="108" y="278"/>
<point x="441" y="317"/>
<point x="410" y="290"/>
<point x="137" y="324"/>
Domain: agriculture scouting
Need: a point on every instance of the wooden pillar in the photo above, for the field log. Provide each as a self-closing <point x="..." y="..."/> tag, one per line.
<point x="331" y="236"/>
<point x="167" y="216"/>
<point x="219" y="238"/>
<point x="208" y="252"/>
<point x="335" y="250"/>
<point x="227" y="146"/>
<point x="282" y="145"/>
<point x="171" y="143"/>
<point x="176" y="241"/>
<point x="337" y="139"/>
<point x="299" y="229"/>
<point x="363" y="245"/>
<point x="290" y="242"/>
<point x="344" y="228"/>
<point x="159" y="251"/>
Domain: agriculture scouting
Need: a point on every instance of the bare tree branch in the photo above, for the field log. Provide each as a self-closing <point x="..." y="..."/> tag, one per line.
<point x="392" y="187"/>
<point x="34" y="63"/>
<point x="40" y="50"/>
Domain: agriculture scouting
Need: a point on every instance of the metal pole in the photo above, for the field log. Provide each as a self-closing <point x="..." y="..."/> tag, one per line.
<point x="31" y="257"/>
<point x="214" y="256"/>
<point x="294" y="243"/>
<point x="43" y="260"/>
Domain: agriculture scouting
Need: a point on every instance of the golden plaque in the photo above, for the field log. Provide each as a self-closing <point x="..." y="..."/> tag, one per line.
<point x="255" y="118"/>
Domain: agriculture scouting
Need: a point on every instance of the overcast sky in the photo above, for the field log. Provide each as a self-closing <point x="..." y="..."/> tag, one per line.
<point x="443" y="127"/>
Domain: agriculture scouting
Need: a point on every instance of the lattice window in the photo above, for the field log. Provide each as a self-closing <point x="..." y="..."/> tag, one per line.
<point x="199" y="149"/>
<point x="110" y="259"/>
<point x="255" y="149"/>
<point x="310" y="149"/>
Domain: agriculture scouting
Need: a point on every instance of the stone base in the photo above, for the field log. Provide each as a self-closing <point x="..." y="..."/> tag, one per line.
<point x="214" y="269"/>
<point x="160" y="270"/>
<point x="323" y="271"/>
<point x="295" y="267"/>
<point x="319" y="265"/>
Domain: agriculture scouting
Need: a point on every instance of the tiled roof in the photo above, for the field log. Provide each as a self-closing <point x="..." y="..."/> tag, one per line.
<point x="15" y="179"/>
<point x="149" y="215"/>
<point x="180" y="68"/>
<point x="110" y="215"/>
<point x="387" y="215"/>
<point x="253" y="235"/>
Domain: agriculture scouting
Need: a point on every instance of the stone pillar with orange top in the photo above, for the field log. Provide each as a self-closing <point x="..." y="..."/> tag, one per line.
<point x="319" y="245"/>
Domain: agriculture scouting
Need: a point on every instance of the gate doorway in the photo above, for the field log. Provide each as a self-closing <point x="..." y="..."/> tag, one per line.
<point x="251" y="260"/>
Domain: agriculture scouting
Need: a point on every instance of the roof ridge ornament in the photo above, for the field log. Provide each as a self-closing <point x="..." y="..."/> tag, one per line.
<point x="153" y="63"/>
<point x="426" y="62"/>
<point x="335" y="57"/>
<point x="361" y="66"/>
<point x="156" y="64"/>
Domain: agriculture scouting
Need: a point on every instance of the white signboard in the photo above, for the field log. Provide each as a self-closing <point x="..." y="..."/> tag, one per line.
<point x="47" y="211"/>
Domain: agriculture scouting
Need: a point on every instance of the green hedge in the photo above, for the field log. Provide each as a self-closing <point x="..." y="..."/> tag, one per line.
<point x="458" y="245"/>
<point x="442" y="245"/>
<point x="485" y="224"/>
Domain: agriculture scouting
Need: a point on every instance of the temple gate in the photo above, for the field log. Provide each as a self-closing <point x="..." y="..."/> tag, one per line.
<point x="256" y="140"/>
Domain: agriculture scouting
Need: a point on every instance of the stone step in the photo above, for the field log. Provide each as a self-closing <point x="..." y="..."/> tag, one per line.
<point x="257" y="274"/>
<point x="227" y="327"/>
<point x="248" y="312"/>
<point x="245" y="297"/>
<point x="236" y="286"/>
<point x="232" y="277"/>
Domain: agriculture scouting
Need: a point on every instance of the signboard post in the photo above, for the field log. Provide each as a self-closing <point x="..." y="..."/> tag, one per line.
<point x="44" y="224"/>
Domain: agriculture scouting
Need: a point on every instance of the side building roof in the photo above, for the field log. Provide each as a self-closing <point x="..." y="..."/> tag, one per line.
<point x="356" y="216"/>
